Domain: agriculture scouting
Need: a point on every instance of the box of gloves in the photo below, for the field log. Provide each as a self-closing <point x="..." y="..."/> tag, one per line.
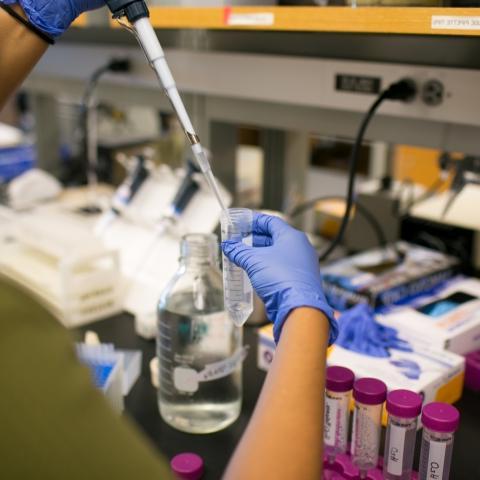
<point x="266" y="347"/>
<point x="372" y="349"/>
<point x="385" y="276"/>
<point x="447" y="318"/>
<point x="436" y="374"/>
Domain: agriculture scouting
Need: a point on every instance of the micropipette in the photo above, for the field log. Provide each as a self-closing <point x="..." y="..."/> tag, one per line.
<point x="186" y="191"/>
<point x="137" y="14"/>
<point x="124" y="194"/>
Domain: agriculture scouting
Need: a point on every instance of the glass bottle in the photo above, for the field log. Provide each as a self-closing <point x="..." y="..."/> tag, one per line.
<point x="199" y="348"/>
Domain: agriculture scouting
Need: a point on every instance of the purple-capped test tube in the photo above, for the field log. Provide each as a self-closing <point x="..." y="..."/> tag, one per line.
<point x="440" y="421"/>
<point x="338" y="393"/>
<point x="403" y="407"/>
<point x="369" y="395"/>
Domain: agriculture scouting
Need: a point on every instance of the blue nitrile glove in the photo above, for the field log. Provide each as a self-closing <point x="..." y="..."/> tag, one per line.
<point x="54" y="16"/>
<point x="409" y="368"/>
<point x="283" y="268"/>
<point x="361" y="333"/>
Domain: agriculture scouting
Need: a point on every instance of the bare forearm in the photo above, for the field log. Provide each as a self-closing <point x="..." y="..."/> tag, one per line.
<point x="288" y="421"/>
<point x="20" y="50"/>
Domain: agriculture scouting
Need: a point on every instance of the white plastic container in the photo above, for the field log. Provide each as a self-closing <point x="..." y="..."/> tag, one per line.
<point x="70" y="271"/>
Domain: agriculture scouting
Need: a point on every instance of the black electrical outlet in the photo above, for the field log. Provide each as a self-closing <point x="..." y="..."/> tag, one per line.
<point x="433" y="92"/>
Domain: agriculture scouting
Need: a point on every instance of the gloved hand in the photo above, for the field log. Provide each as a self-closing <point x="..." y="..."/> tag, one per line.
<point x="283" y="268"/>
<point x="54" y="16"/>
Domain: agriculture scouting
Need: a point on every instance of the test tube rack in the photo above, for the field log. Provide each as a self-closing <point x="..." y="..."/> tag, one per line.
<point x="67" y="269"/>
<point x="343" y="469"/>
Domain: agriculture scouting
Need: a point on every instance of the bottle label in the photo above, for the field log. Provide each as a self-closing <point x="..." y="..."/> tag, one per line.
<point x="188" y="380"/>
<point x="217" y="370"/>
<point x="331" y="408"/>
<point x="436" y="460"/>
<point x="396" y="449"/>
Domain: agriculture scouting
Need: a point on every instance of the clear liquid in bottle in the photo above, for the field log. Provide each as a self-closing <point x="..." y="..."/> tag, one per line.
<point x="199" y="349"/>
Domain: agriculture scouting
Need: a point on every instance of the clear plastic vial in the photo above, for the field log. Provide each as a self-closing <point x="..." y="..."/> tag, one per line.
<point x="440" y="421"/>
<point x="199" y="349"/>
<point x="338" y="393"/>
<point x="237" y="287"/>
<point x="369" y="395"/>
<point x="403" y="407"/>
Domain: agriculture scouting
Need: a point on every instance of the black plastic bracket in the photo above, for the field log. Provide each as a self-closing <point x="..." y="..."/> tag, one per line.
<point x="132" y="9"/>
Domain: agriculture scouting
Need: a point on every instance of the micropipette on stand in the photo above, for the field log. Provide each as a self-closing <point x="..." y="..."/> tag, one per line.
<point x="186" y="191"/>
<point x="137" y="14"/>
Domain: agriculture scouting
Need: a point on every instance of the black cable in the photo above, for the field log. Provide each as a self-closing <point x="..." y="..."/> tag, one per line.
<point x="403" y="90"/>
<point x="115" y="65"/>
<point x="352" y="169"/>
<point x="369" y="217"/>
<point x="92" y="85"/>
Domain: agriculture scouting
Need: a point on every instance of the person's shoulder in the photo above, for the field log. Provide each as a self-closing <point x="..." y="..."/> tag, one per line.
<point x="19" y="308"/>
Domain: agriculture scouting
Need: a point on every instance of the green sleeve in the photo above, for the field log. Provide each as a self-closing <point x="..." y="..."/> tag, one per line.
<point x="54" y="425"/>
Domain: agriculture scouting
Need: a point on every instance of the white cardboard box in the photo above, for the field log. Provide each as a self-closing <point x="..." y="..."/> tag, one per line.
<point x="447" y="319"/>
<point x="434" y="373"/>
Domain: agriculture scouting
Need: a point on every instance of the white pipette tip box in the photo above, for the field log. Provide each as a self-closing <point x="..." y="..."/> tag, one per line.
<point x="105" y="366"/>
<point x="114" y="372"/>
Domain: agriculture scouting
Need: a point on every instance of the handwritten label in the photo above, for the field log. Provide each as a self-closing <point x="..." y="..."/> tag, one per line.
<point x="449" y="22"/>
<point x="188" y="380"/>
<point x="395" y="452"/>
<point x="330" y="429"/>
<point x="436" y="460"/>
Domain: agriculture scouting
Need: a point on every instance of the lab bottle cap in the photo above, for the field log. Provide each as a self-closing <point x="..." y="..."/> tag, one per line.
<point x="369" y="391"/>
<point x="187" y="466"/>
<point x="339" y="379"/>
<point x="404" y="404"/>
<point x="440" y="417"/>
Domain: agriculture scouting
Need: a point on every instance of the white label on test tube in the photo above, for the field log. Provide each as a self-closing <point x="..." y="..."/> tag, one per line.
<point x="396" y="448"/>
<point x="331" y="408"/>
<point x="337" y="412"/>
<point x="436" y="459"/>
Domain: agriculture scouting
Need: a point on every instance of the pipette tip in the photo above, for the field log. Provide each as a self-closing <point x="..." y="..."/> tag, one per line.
<point x="239" y="318"/>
